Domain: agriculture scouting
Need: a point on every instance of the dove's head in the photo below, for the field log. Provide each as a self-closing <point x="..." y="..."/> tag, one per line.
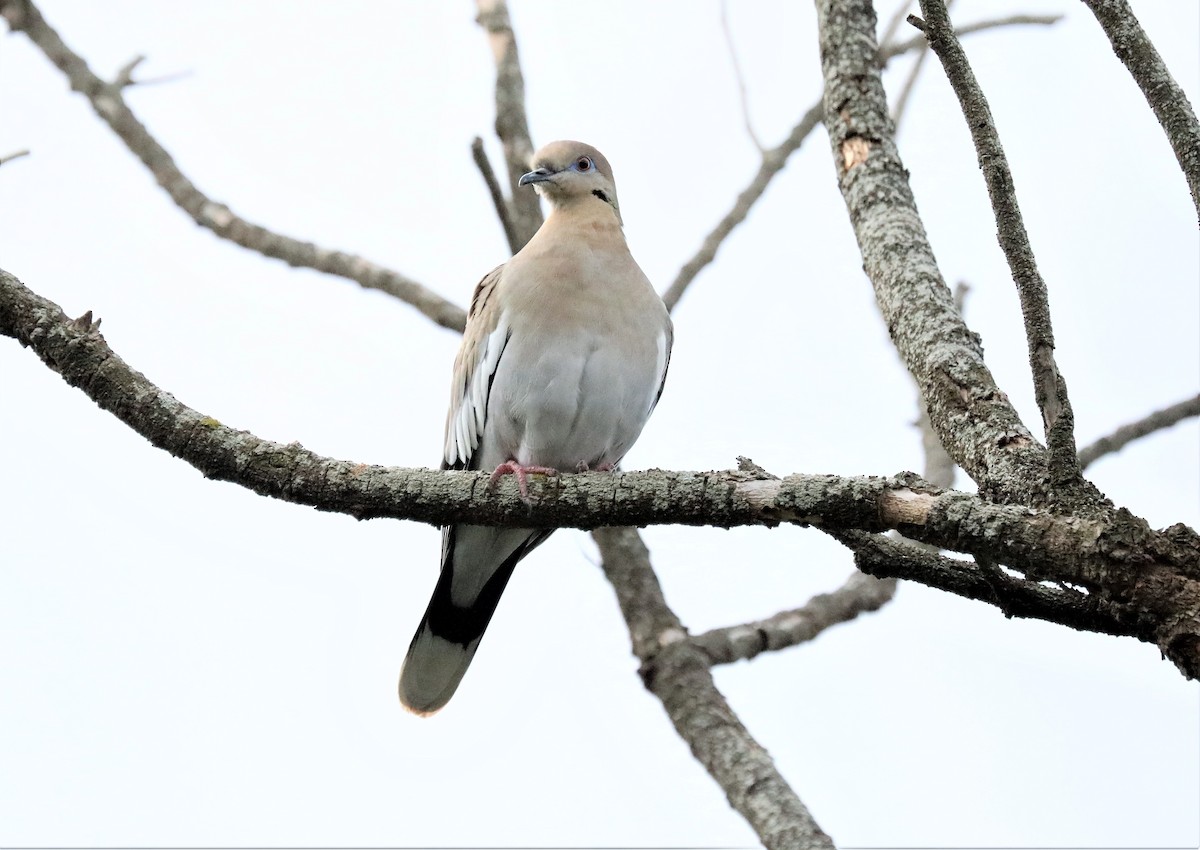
<point x="567" y="173"/>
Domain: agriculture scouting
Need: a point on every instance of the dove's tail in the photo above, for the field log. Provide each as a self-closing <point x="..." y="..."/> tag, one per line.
<point x="477" y="562"/>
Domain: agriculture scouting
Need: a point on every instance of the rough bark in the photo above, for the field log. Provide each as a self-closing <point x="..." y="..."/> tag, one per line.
<point x="1049" y="386"/>
<point x="676" y="671"/>
<point x="1170" y="105"/>
<point x="1152" y="579"/>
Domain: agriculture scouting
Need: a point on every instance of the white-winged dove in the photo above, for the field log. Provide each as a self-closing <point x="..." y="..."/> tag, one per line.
<point x="562" y="361"/>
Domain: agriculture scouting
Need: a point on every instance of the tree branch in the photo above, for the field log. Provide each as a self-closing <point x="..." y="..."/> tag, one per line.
<point x="889" y="50"/>
<point x="774" y="159"/>
<point x="512" y="125"/>
<point x="676" y="671"/>
<point x="860" y="594"/>
<point x="884" y="556"/>
<point x="1153" y="578"/>
<point x="1145" y="426"/>
<point x="1049" y="387"/>
<point x="743" y="97"/>
<point x="9" y="157"/>
<point x="973" y="419"/>
<point x="498" y="200"/>
<point x="1170" y="105"/>
<point x="109" y="104"/>
<point x="772" y="162"/>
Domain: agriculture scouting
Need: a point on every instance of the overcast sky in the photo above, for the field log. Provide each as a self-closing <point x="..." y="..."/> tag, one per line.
<point x="187" y="663"/>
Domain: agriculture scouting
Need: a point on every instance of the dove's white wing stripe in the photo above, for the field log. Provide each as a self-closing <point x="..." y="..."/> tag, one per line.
<point x="471" y="415"/>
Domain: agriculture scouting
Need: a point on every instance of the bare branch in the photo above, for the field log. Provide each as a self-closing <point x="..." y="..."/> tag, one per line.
<point x="14" y="155"/>
<point x="774" y="160"/>
<point x="498" y="200"/>
<point x="1143" y="427"/>
<point x="676" y="671"/>
<point x="883" y="555"/>
<point x="859" y="595"/>
<point x="887" y="51"/>
<point x="737" y="75"/>
<point x="512" y="124"/>
<point x="1154" y="577"/>
<point x="124" y="75"/>
<point x="1049" y="386"/>
<point x="910" y="82"/>
<point x="106" y="99"/>
<point x="973" y="419"/>
<point x="1166" y="98"/>
<point x="772" y="163"/>
<point x="894" y="22"/>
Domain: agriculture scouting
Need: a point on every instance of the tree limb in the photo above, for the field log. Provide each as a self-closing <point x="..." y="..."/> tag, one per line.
<point x="888" y="50"/>
<point x="109" y="103"/>
<point x="774" y="159"/>
<point x="676" y="671"/>
<point x="884" y="556"/>
<point x="512" y="125"/>
<point x="498" y="200"/>
<point x="743" y="97"/>
<point x="1050" y="388"/>
<point x="1145" y="426"/>
<point x="859" y="594"/>
<point x="9" y="157"/>
<point x="1152" y="577"/>
<point x="1170" y="105"/>
<point x="973" y="419"/>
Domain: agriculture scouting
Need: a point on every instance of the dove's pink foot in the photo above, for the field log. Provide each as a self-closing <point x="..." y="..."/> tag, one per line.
<point x="604" y="467"/>
<point x="522" y="473"/>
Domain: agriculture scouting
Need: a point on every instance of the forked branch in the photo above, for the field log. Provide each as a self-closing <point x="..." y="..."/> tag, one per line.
<point x="1049" y="387"/>
<point x="108" y="101"/>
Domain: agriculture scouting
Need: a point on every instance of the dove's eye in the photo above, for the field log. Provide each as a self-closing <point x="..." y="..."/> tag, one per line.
<point x="583" y="164"/>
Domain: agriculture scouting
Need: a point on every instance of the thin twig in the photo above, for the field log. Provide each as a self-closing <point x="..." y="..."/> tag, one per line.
<point x="14" y="155"/>
<point x="860" y="594"/>
<point x="512" y="124"/>
<point x="1143" y="427"/>
<point x="894" y="22"/>
<point x="124" y="75"/>
<point x="498" y="200"/>
<point x="887" y="51"/>
<point x="107" y="100"/>
<point x="677" y="673"/>
<point x="1049" y="387"/>
<point x="1166" y="98"/>
<point x="743" y="98"/>
<point x="772" y="163"/>
<point x="902" y="100"/>
<point x="774" y="159"/>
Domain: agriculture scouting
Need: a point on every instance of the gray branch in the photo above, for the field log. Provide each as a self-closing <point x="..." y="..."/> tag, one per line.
<point x="106" y="98"/>
<point x="1126" y="434"/>
<point x="9" y="157"/>
<point x="512" y="124"/>
<point x="972" y="417"/>
<point x="1170" y="105"/>
<point x="1152" y="579"/>
<point x="774" y="159"/>
<point x="503" y="212"/>
<point x="860" y="594"/>
<point x="1049" y="387"/>
<point x="676" y="671"/>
